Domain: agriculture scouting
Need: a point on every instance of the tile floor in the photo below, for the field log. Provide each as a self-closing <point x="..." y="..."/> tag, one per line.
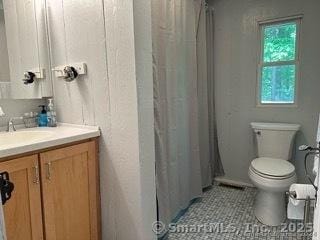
<point x="227" y="213"/>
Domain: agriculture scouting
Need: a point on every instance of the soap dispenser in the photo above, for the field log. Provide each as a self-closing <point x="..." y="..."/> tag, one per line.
<point x="51" y="114"/>
<point x="43" y="118"/>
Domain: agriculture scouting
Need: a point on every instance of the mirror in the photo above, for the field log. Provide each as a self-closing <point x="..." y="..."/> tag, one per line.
<point x="24" y="50"/>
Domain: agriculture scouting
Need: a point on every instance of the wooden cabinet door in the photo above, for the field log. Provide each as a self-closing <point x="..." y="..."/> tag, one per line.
<point x="69" y="192"/>
<point x="22" y="213"/>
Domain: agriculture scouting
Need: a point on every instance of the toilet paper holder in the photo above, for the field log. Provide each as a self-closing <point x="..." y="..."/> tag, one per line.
<point x="293" y="195"/>
<point x="307" y="205"/>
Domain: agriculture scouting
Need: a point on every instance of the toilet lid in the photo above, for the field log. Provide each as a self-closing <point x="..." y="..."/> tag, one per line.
<point x="273" y="167"/>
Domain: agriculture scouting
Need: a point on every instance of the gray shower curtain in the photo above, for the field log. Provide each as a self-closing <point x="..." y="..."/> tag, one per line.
<point x="178" y="173"/>
<point x="215" y="162"/>
<point x="203" y="94"/>
<point x="181" y="105"/>
<point x="210" y="161"/>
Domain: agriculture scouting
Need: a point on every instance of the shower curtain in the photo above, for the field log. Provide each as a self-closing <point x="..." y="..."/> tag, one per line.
<point x="181" y="104"/>
<point x="176" y="106"/>
<point x="210" y="161"/>
<point x="203" y="94"/>
<point x="206" y="21"/>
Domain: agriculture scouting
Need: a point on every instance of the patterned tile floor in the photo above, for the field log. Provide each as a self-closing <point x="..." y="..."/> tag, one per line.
<point x="227" y="213"/>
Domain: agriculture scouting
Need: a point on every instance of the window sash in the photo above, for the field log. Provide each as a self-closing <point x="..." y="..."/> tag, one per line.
<point x="261" y="103"/>
<point x="262" y="64"/>
<point x="280" y="63"/>
<point x="262" y="27"/>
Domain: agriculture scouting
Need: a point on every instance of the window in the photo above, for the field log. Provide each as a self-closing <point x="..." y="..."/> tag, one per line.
<point x="278" y="68"/>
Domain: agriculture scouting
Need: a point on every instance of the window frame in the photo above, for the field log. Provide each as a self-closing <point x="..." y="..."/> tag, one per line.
<point x="261" y="26"/>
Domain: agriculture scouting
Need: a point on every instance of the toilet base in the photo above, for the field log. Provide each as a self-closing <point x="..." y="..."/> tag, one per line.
<point x="270" y="207"/>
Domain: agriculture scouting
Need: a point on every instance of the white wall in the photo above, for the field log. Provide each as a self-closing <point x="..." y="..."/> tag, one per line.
<point x="144" y="85"/>
<point x="236" y="50"/>
<point x="114" y="39"/>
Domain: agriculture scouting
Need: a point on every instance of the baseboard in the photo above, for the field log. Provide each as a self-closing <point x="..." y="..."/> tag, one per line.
<point x="232" y="182"/>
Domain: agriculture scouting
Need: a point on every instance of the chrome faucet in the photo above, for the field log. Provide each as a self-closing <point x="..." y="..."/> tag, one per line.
<point x="11" y="127"/>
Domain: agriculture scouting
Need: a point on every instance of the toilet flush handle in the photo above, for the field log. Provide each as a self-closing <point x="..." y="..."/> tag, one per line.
<point x="304" y="148"/>
<point x="258" y="132"/>
<point x="309" y="148"/>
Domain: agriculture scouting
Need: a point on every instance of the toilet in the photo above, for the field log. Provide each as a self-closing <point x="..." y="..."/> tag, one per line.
<point x="271" y="172"/>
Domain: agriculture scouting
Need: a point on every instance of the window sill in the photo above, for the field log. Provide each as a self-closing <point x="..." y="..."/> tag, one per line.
<point x="277" y="105"/>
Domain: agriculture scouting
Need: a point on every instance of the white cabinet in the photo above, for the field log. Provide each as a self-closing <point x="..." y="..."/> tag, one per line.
<point x="28" y="48"/>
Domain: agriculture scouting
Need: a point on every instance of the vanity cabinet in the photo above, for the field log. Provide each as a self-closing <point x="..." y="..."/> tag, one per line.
<point x="69" y="192"/>
<point x="23" y="216"/>
<point x="58" y="202"/>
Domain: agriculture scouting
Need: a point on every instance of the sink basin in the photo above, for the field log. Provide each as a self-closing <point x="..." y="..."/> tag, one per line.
<point x="22" y="138"/>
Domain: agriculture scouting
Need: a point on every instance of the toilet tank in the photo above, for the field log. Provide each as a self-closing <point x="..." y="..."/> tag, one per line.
<point x="275" y="140"/>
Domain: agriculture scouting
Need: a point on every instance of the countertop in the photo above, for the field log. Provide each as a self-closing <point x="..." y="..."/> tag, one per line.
<point x="62" y="134"/>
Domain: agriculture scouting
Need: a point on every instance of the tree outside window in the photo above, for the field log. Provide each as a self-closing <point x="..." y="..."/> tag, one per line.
<point x="279" y="62"/>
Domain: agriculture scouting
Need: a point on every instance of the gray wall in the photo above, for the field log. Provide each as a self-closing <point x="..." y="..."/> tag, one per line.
<point x="236" y="50"/>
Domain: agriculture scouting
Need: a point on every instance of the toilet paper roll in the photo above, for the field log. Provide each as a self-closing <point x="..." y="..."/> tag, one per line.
<point x="302" y="191"/>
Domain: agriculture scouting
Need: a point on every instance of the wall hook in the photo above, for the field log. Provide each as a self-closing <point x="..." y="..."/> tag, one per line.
<point x="31" y="75"/>
<point x="70" y="72"/>
<point x="28" y="78"/>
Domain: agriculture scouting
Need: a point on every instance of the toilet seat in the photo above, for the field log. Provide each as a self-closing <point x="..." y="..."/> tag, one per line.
<point x="272" y="168"/>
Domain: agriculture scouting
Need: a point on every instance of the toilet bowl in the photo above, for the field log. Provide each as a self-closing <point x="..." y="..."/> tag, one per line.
<point x="272" y="173"/>
<point x="272" y="181"/>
